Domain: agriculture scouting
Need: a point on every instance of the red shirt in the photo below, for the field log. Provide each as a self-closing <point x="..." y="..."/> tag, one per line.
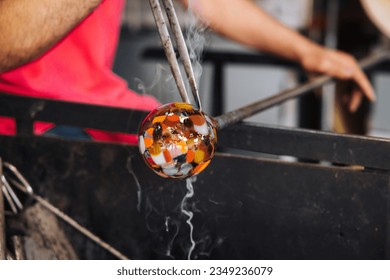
<point x="78" y="69"/>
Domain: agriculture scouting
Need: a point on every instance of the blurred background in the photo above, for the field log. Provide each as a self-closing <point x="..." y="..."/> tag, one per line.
<point x="231" y="76"/>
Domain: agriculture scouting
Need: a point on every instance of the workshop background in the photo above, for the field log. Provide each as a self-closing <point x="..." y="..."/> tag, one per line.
<point x="341" y="24"/>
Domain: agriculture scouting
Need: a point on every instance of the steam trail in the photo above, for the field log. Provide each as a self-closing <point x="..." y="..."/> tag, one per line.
<point x="139" y="189"/>
<point x="196" y="42"/>
<point x="162" y="86"/>
<point x="189" y="213"/>
<point x="163" y="82"/>
<point x="172" y="240"/>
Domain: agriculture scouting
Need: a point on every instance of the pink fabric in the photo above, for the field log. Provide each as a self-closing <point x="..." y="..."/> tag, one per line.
<point x="78" y="69"/>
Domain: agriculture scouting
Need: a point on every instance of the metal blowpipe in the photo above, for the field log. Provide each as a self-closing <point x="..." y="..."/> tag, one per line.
<point x="242" y="113"/>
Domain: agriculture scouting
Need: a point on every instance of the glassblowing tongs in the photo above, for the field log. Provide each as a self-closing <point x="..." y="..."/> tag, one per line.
<point x="170" y="52"/>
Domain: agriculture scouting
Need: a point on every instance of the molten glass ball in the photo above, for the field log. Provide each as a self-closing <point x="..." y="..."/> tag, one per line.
<point x="177" y="140"/>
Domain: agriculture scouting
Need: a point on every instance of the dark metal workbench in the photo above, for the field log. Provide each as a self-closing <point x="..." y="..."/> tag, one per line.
<point x="330" y="203"/>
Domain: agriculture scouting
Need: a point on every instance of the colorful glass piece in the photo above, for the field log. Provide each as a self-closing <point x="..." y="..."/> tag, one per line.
<point x="177" y="140"/>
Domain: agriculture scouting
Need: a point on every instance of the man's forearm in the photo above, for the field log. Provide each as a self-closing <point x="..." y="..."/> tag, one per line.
<point x="244" y="22"/>
<point x="29" y="28"/>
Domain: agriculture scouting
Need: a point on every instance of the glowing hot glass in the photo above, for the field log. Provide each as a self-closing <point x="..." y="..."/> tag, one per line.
<point x="177" y="140"/>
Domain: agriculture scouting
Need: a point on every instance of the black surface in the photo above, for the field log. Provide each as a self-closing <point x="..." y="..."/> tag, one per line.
<point x="27" y="109"/>
<point x="369" y="152"/>
<point x="244" y="208"/>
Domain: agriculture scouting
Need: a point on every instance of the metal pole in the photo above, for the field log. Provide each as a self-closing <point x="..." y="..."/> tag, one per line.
<point x="17" y="242"/>
<point x="256" y="107"/>
<point x="328" y="99"/>
<point x="69" y="220"/>
<point x="182" y="48"/>
<point x="168" y="48"/>
<point x="3" y="249"/>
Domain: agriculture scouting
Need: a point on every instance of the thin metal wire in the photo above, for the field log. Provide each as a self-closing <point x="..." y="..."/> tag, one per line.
<point x="26" y="188"/>
<point x="14" y="198"/>
<point x="8" y="197"/>
<point x="20" y="177"/>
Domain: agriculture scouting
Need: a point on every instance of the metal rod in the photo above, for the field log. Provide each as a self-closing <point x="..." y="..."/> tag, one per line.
<point x="20" y="177"/>
<point x="3" y="249"/>
<point x="17" y="242"/>
<point x="256" y="107"/>
<point x="12" y="194"/>
<point x="183" y="51"/>
<point x="168" y="48"/>
<point x="7" y="196"/>
<point x="78" y="227"/>
<point x="70" y="221"/>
